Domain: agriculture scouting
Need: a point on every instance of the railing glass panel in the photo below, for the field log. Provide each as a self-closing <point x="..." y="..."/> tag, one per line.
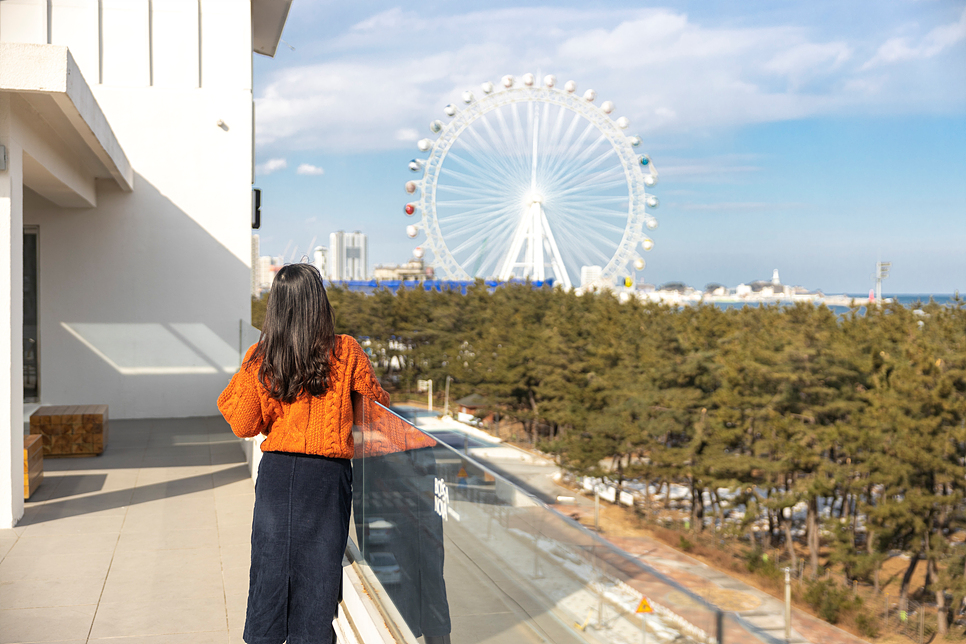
<point x="454" y="552"/>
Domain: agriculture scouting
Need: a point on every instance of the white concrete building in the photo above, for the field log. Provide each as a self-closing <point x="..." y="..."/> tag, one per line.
<point x="126" y="159"/>
<point x="264" y="272"/>
<point x="348" y="256"/>
<point x="320" y="259"/>
<point x="589" y="275"/>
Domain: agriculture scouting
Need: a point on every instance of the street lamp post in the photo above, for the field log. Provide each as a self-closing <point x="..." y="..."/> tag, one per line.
<point x="881" y="272"/>
<point x="788" y="604"/>
<point x="426" y="385"/>
<point x="446" y="399"/>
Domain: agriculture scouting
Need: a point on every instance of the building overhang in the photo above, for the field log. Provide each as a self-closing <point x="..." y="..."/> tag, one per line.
<point x="49" y="83"/>
<point x="268" y="20"/>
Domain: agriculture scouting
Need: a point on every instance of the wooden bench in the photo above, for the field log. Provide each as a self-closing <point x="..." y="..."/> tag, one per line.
<point x="33" y="464"/>
<point x="71" y="430"/>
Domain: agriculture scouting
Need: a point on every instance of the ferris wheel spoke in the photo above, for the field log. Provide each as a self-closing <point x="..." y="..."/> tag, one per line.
<point x="566" y="141"/>
<point x="568" y="154"/>
<point x="594" y="163"/>
<point x="597" y="224"/>
<point x="492" y="161"/>
<point x="491" y="262"/>
<point x="465" y="214"/>
<point x="489" y="160"/>
<point x="581" y="250"/>
<point x="497" y="140"/>
<point x="559" y="171"/>
<point x="476" y="263"/>
<point x="578" y="220"/>
<point x="585" y="254"/>
<point x="483" y="188"/>
<point x="591" y="253"/>
<point x="496" y="240"/>
<point x="545" y="130"/>
<point x="588" y="195"/>
<point x="486" y="170"/>
<point x="481" y="216"/>
<point x="504" y="131"/>
<point x="459" y="194"/>
<point x="593" y="191"/>
<point x="614" y="173"/>
<point x="477" y="215"/>
<point x="461" y="203"/>
<point x="515" y="154"/>
<point x="558" y="124"/>
<point x="477" y="225"/>
<point x="590" y="208"/>
<point x="473" y="239"/>
<point x="485" y="176"/>
<point x="503" y="139"/>
<point x="486" y="144"/>
<point x="593" y="186"/>
<point x="469" y="179"/>
<point x="487" y="250"/>
<point x="580" y="215"/>
<point x="518" y="133"/>
<point x="472" y="192"/>
<point x="615" y="233"/>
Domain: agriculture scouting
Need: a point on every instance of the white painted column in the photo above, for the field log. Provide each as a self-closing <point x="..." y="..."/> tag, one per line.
<point x="11" y="323"/>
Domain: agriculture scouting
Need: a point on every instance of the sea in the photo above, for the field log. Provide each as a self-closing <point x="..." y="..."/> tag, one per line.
<point x="905" y="299"/>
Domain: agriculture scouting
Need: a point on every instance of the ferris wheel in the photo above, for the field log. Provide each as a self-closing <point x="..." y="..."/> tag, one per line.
<point x="532" y="182"/>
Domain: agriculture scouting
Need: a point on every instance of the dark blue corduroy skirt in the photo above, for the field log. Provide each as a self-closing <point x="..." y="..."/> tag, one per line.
<point x="299" y="532"/>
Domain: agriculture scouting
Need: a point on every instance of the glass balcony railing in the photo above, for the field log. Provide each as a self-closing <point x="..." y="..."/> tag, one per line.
<point x="452" y="552"/>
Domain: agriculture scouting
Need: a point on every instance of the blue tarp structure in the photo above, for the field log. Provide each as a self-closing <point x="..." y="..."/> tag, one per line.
<point x="371" y="286"/>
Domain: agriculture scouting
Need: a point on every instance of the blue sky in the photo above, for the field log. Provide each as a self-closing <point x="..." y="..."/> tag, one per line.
<point x="810" y="137"/>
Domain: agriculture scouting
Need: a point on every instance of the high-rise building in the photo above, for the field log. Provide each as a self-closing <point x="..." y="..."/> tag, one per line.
<point x="589" y="275"/>
<point x="348" y="257"/>
<point x="319" y="259"/>
<point x="265" y="272"/>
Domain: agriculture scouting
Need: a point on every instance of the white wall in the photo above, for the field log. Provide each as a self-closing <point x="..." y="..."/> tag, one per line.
<point x="141" y="296"/>
<point x="11" y="325"/>
<point x="23" y="21"/>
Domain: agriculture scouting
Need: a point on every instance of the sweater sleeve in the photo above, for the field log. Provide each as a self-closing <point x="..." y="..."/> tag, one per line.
<point x="363" y="377"/>
<point x="241" y="403"/>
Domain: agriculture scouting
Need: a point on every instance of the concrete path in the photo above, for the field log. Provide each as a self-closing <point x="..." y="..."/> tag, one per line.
<point x="147" y="543"/>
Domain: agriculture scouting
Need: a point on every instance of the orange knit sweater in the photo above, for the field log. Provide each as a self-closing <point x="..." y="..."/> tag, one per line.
<point x="309" y="425"/>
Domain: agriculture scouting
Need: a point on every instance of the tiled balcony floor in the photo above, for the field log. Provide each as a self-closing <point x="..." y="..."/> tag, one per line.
<point x="148" y="542"/>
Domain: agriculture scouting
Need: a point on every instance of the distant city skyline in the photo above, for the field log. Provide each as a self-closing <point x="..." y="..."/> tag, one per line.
<point x="814" y="141"/>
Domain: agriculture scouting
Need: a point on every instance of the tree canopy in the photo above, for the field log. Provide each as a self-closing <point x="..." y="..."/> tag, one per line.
<point x="859" y="418"/>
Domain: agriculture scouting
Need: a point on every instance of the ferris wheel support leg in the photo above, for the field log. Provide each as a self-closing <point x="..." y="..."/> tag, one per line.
<point x="516" y="245"/>
<point x="556" y="260"/>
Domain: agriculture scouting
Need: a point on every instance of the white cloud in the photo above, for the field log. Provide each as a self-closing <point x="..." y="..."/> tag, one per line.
<point x="271" y="166"/>
<point x="806" y="61"/>
<point x="937" y="40"/>
<point x="736" y="206"/>
<point x="407" y="134"/>
<point x="705" y="170"/>
<point x="309" y="169"/>
<point x="380" y="83"/>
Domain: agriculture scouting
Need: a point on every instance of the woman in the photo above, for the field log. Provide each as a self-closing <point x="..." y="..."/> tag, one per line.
<point x="295" y="387"/>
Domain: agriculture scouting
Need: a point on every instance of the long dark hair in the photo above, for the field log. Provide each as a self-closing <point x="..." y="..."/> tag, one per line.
<point x="298" y="335"/>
